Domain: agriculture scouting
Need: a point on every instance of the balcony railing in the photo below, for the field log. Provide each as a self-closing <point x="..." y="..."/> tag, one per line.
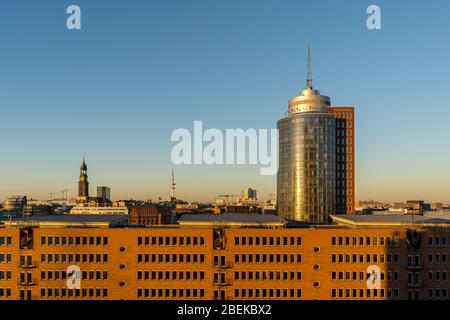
<point x="27" y="282"/>
<point x="33" y="297"/>
<point x="33" y="264"/>
<point x="415" y="267"/>
<point x="225" y="265"/>
<point x="415" y="284"/>
<point x="227" y="282"/>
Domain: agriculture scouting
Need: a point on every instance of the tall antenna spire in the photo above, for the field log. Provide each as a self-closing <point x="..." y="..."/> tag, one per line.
<point x="309" y="79"/>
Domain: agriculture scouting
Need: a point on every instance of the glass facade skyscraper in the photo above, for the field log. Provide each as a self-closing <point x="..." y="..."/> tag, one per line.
<point x="306" y="184"/>
<point x="306" y="181"/>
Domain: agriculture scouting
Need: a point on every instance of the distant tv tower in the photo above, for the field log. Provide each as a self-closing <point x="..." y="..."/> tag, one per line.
<point x="172" y="187"/>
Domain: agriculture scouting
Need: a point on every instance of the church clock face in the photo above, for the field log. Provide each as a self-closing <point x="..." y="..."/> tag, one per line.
<point x="81" y="178"/>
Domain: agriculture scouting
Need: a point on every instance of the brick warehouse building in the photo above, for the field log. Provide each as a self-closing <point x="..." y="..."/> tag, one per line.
<point x="225" y="257"/>
<point x="150" y="214"/>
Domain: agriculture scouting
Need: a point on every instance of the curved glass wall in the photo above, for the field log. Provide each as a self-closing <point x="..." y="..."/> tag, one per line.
<point x="306" y="184"/>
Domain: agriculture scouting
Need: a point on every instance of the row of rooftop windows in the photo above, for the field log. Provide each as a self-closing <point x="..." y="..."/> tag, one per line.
<point x="365" y="293"/>
<point x="5" y="275"/>
<point x="391" y="293"/>
<point x="365" y="241"/>
<point x="156" y="293"/>
<point x="74" y="240"/>
<point x="435" y="241"/>
<point x="268" y="275"/>
<point x="438" y="241"/>
<point x="433" y="258"/>
<point x="85" y="275"/>
<point x="389" y="275"/>
<point x="268" y="258"/>
<point x="5" y="292"/>
<point x="5" y="241"/>
<point x="335" y="241"/>
<point x="437" y="258"/>
<point x="171" y="275"/>
<point x="438" y="293"/>
<point x="364" y="258"/>
<point x="171" y="241"/>
<point x="171" y="258"/>
<point x="437" y="275"/>
<point x="5" y="258"/>
<point x="238" y="275"/>
<point x="264" y="293"/>
<point x="362" y="276"/>
<point x="433" y="293"/>
<point x="74" y="293"/>
<point x="264" y="241"/>
<point x="74" y="257"/>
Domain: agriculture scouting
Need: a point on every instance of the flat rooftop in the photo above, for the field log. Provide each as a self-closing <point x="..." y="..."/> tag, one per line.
<point x="67" y="220"/>
<point x="231" y="219"/>
<point x="393" y="220"/>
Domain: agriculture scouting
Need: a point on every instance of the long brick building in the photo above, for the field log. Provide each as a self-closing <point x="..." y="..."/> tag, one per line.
<point x="225" y="257"/>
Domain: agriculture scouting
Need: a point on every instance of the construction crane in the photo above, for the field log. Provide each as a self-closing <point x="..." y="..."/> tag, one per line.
<point x="51" y="195"/>
<point x="65" y="193"/>
<point x="227" y="196"/>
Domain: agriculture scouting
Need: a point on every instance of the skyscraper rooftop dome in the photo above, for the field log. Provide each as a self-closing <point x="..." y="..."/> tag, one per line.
<point x="310" y="99"/>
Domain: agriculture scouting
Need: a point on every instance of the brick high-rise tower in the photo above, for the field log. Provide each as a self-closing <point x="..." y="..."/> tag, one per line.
<point x="345" y="159"/>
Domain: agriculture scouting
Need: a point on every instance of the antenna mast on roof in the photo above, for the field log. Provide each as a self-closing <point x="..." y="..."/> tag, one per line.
<point x="309" y="80"/>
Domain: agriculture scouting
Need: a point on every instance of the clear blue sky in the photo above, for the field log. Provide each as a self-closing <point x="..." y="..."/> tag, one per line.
<point x="140" y="69"/>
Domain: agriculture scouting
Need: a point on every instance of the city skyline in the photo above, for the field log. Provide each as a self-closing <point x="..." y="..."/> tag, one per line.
<point x="195" y="153"/>
<point x="116" y="87"/>
<point x="64" y="193"/>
